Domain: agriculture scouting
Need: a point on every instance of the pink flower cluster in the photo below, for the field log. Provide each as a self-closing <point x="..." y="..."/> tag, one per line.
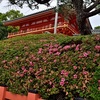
<point x="66" y="47"/>
<point x="24" y="71"/>
<point x="75" y="76"/>
<point x="74" y="67"/>
<point x="62" y="82"/>
<point x="40" y="51"/>
<point x="86" y="54"/>
<point x="65" y="73"/>
<point x="97" y="47"/>
<point x="38" y="72"/>
<point x="85" y="72"/>
<point x="77" y="47"/>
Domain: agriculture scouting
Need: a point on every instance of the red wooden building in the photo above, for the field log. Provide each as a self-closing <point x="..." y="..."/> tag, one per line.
<point x="42" y="22"/>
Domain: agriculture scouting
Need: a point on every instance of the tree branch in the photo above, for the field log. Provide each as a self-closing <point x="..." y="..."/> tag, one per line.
<point x="97" y="2"/>
<point x="93" y="13"/>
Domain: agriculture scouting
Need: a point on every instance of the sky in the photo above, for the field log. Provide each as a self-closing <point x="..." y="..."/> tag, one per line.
<point x="95" y="20"/>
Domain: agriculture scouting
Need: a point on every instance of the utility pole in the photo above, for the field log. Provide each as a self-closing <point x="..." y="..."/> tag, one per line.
<point x="56" y="17"/>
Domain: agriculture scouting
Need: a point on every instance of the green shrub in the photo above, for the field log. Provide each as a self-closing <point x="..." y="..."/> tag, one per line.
<point x="52" y="64"/>
<point x="3" y="31"/>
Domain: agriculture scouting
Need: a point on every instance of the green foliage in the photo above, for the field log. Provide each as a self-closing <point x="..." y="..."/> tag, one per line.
<point x="10" y="15"/>
<point x="12" y="29"/>
<point x="2" y="17"/>
<point x="97" y="27"/>
<point x="52" y="64"/>
<point x="3" y="31"/>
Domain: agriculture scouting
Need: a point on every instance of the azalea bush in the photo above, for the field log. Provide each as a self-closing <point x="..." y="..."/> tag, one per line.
<point x="52" y="65"/>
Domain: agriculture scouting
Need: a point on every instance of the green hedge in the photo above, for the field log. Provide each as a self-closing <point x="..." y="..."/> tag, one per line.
<point x="52" y="64"/>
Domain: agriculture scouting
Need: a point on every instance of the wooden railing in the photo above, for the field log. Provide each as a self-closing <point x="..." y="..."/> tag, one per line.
<point x="39" y="30"/>
<point x="6" y="95"/>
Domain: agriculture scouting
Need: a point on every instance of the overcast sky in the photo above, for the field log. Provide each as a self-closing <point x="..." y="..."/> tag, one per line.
<point x="95" y="20"/>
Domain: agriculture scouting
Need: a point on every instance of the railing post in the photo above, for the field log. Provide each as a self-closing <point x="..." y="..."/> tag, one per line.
<point x="2" y="93"/>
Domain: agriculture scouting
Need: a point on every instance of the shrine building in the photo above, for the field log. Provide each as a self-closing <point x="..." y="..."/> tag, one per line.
<point x="42" y="22"/>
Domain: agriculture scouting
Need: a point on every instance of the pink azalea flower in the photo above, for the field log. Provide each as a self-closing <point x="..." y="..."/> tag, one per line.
<point x="57" y="53"/>
<point x="77" y="47"/>
<point x="66" y="47"/>
<point x="18" y="72"/>
<point x="63" y="72"/>
<point x="85" y="72"/>
<point x="85" y="54"/>
<point x="59" y="47"/>
<point x="66" y="74"/>
<point x="74" y="45"/>
<point x="56" y="45"/>
<point x="55" y="61"/>
<point x="31" y="63"/>
<point x="75" y="76"/>
<point x="55" y="50"/>
<point x="50" y="83"/>
<point x="40" y="69"/>
<point x="50" y="50"/>
<point x="99" y="81"/>
<point x="25" y="71"/>
<point x="40" y="51"/>
<point x="53" y="86"/>
<point x="88" y="52"/>
<point x="37" y="59"/>
<point x="16" y="57"/>
<point x="23" y="67"/>
<point x="74" y="67"/>
<point x="97" y="47"/>
<point x="51" y="46"/>
<point x="31" y="80"/>
<point x="46" y="45"/>
<point x="44" y="58"/>
<point x="21" y="75"/>
<point x="62" y="79"/>
<point x="30" y="69"/>
<point x="62" y="83"/>
<point x="99" y="88"/>
<point x="4" y="61"/>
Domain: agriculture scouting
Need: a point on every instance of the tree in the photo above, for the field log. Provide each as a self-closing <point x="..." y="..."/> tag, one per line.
<point x="3" y="31"/>
<point x="3" y="17"/>
<point x="10" y="15"/>
<point x="13" y="14"/>
<point x="83" y="8"/>
<point x="97" y="27"/>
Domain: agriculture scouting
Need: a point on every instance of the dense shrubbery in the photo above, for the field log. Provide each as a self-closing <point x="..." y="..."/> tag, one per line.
<point x="51" y="65"/>
<point x="3" y="31"/>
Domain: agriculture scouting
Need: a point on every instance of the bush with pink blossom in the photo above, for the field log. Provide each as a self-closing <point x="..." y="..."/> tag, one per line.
<point x="59" y="64"/>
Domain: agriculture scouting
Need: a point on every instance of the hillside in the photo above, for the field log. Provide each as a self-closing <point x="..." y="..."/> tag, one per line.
<point x="51" y="65"/>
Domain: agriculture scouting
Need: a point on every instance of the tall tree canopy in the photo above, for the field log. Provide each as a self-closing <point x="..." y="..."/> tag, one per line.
<point x="10" y="15"/>
<point x="84" y="9"/>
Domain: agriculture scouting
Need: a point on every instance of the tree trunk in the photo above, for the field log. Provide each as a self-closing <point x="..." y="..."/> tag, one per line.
<point x="81" y="19"/>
